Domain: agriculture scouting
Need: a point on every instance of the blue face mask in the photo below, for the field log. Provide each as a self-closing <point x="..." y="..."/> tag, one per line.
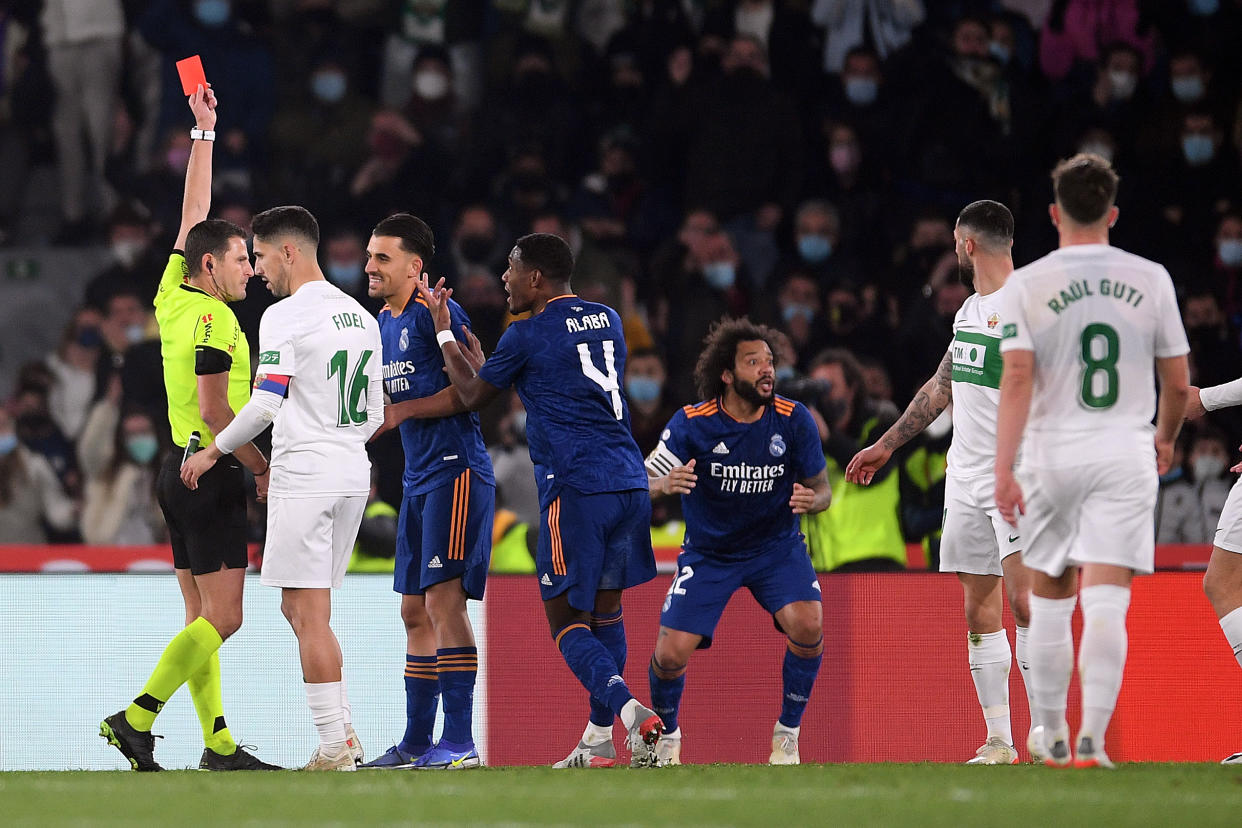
<point x="1203" y="8"/>
<point x="135" y="333"/>
<point x="212" y="13"/>
<point x="142" y="448"/>
<point x="1198" y="149"/>
<point x="785" y="372"/>
<point x="345" y="276"/>
<point x="8" y="442"/>
<point x="720" y="275"/>
<point x="1187" y="88"/>
<point x="861" y="91"/>
<point x="642" y="389"/>
<point x="1230" y="252"/>
<point x="791" y="312"/>
<point x="814" y="249"/>
<point x="328" y="87"/>
<point x="999" y="51"/>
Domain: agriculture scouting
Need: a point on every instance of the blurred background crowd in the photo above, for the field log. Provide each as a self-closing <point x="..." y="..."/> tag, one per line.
<point x="797" y="161"/>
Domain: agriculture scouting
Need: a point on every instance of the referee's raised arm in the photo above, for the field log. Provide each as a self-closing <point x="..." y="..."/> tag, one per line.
<point x="197" y="199"/>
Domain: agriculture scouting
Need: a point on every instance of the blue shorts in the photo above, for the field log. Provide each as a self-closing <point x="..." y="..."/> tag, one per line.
<point x="443" y="534"/>
<point x="704" y="585"/>
<point x="589" y="542"/>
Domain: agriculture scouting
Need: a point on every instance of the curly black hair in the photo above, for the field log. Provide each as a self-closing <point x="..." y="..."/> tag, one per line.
<point x="720" y="352"/>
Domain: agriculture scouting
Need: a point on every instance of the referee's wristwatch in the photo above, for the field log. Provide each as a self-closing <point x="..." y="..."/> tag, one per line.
<point x="197" y="134"/>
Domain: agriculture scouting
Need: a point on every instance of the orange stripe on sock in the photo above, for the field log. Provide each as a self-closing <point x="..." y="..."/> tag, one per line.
<point x="562" y="633"/>
<point x="473" y="669"/>
<point x="458" y="660"/>
<point x="606" y="622"/>
<point x="806" y="652"/>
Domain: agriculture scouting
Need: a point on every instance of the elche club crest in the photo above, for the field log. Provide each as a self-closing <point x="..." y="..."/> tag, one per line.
<point x="993" y="321"/>
<point x="776" y="446"/>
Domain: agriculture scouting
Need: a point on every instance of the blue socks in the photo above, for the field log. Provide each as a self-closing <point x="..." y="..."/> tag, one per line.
<point x="609" y="630"/>
<point x="422" y="695"/>
<point x="594" y="666"/>
<point x="666" y="690"/>
<point x="798" y="675"/>
<point x="458" y="667"/>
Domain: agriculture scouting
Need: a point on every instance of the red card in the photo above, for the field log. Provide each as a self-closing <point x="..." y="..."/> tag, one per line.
<point x="192" y="76"/>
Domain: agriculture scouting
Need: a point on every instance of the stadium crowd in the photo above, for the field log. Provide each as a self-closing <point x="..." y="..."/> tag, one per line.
<point x="799" y="163"/>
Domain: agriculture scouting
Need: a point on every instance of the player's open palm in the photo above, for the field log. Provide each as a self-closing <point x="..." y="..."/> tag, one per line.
<point x="437" y="301"/>
<point x="802" y="500"/>
<point x="863" y="466"/>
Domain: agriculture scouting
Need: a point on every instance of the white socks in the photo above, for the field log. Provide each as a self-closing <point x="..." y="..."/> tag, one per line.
<point x="326" y="711"/>
<point x="1101" y="656"/>
<point x="346" y="711"/>
<point x="1022" y="652"/>
<point x="1231" y="625"/>
<point x="989" y="658"/>
<point x="1050" y="647"/>
<point x="596" y="734"/>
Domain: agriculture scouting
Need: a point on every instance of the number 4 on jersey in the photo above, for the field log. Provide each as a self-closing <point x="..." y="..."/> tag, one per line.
<point x="607" y="379"/>
<point x="351" y="401"/>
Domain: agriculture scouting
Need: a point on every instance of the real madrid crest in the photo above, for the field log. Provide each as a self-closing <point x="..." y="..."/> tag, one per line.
<point x="404" y="342"/>
<point x="776" y="446"/>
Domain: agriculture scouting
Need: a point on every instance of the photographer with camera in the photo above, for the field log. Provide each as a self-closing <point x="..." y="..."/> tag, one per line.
<point x="862" y="530"/>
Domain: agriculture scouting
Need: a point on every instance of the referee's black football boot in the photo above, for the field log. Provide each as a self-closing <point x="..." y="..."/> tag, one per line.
<point x="239" y="760"/>
<point x="135" y="745"/>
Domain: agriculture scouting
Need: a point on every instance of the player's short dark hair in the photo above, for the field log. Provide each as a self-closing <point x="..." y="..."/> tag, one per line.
<point x="720" y="352"/>
<point x="415" y="236"/>
<point x="289" y="220"/>
<point x="1085" y="187"/>
<point x="548" y="254"/>
<point x="989" y="219"/>
<point x="209" y="236"/>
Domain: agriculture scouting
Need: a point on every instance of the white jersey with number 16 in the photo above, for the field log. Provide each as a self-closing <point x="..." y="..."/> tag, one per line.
<point x="329" y="347"/>
<point x="1096" y="318"/>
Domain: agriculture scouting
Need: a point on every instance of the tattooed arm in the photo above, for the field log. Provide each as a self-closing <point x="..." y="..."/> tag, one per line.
<point x="928" y="403"/>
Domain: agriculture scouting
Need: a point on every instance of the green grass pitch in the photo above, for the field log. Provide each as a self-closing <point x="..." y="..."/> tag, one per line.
<point x="1196" y="796"/>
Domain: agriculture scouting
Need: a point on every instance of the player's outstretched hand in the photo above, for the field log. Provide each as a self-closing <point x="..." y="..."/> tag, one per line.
<point x="437" y="301"/>
<point x="863" y="466"/>
<point x="802" y="500"/>
<point x="203" y="105"/>
<point x="195" y="466"/>
<point x="1009" y="498"/>
<point x="1194" y="404"/>
<point x="681" y="479"/>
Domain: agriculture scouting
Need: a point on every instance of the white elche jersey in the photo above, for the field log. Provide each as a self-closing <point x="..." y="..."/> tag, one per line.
<point x="330" y="348"/>
<point x="976" y="374"/>
<point x="1096" y="318"/>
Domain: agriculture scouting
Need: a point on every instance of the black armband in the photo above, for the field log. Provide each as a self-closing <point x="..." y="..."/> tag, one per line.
<point x="208" y="360"/>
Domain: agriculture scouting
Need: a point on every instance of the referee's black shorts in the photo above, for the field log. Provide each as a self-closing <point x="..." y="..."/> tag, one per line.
<point x="207" y="526"/>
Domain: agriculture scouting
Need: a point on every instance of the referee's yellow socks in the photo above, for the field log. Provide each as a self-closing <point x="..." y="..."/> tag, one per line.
<point x="184" y="656"/>
<point x="204" y="688"/>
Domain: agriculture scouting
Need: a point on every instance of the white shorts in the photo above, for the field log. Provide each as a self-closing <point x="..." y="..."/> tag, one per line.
<point x="310" y="539"/>
<point x="1229" y="530"/>
<point x="975" y="538"/>
<point x="1091" y="514"/>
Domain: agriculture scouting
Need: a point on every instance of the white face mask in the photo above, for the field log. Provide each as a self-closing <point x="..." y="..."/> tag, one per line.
<point x="1207" y="467"/>
<point x="127" y="251"/>
<point x="430" y="84"/>
<point x="1102" y="150"/>
<point x="1124" y="84"/>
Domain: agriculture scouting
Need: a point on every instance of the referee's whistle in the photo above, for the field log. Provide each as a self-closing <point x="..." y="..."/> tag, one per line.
<point x="191" y="446"/>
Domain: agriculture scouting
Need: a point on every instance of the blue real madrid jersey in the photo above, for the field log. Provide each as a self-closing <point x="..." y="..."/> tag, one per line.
<point x="746" y="472"/>
<point x="435" y="450"/>
<point x="566" y="364"/>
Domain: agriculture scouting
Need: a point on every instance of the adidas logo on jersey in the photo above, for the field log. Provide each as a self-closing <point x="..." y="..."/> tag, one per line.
<point x="434" y="563"/>
<point x="545" y="580"/>
<point x="720" y="448"/>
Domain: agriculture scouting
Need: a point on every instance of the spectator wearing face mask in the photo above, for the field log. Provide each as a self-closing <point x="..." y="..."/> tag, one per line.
<point x="37" y="430"/>
<point x="817" y="249"/>
<point x="475" y="243"/>
<point x="1115" y="100"/>
<point x="1208" y="461"/>
<point x="73" y="371"/>
<point x="847" y="24"/>
<point x="119" y="455"/>
<point x="343" y="258"/>
<point x="319" y="137"/>
<point x="800" y="311"/>
<point x="31" y="498"/>
<point x="405" y="170"/>
<point x="1226" y="267"/>
<point x="860" y="96"/>
<point x="433" y="106"/>
<point x="130" y="232"/>
<point x="1200" y="179"/>
<point x="645" y="376"/>
<point x="1179" y="512"/>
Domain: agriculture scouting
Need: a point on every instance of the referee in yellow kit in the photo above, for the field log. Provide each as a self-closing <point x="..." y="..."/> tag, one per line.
<point x="207" y="375"/>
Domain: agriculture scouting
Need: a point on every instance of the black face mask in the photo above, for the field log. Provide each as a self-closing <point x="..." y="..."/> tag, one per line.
<point x="476" y="249"/>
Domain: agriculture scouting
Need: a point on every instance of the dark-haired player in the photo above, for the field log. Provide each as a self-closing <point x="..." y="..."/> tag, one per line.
<point x="444" y="532"/>
<point x="747" y="463"/>
<point x="977" y="544"/>
<point x="566" y="362"/>
<point x="207" y="376"/>
<point x="319" y="380"/>
<point x="1084" y="326"/>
